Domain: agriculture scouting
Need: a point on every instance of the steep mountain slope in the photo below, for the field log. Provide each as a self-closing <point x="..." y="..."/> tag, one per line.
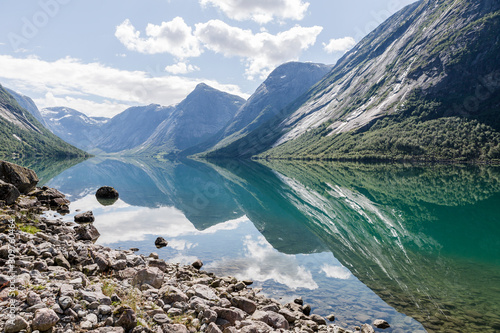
<point x="282" y="86"/>
<point x="73" y="126"/>
<point x="423" y="85"/>
<point x="200" y="115"/>
<point x="21" y="133"/>
<point x="27" y="103"/>
<point x="132" y="127"/>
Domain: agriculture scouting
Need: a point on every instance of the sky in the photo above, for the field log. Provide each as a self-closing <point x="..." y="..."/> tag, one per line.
<point x="101" y="57"/>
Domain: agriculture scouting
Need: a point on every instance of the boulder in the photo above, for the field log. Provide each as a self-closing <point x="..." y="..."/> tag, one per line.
<point x="86" y="217"/>
<point x="15" y="325"/>
<point x="172" y="295"/>
<point x="127" y="318"/>
<point x="44" y="319"/>
<point x="107" y="192"/>
<point x="87" y="232"/>
<point x="197" y="264"/>
<point x="244" y="304"/>
<point x="160" y="242"/>
<point x="150" y="275"/>
<point x="212" y="328"/>
<point x="23" y="178"/>
<point x="8" y="193"/>
<point x="231" y="315"/>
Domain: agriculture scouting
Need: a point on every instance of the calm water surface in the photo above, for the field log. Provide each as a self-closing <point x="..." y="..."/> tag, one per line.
<point x="418" y="246"/>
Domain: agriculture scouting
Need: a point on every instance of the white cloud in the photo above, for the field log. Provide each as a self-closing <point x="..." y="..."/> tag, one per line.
<point x="181" y="68"/>
<point x="336" y="272"/>
<point x="262" y="263"/>
<point x="339" y="45"/>
<point x="262" y="51"/>
<point x="174" y="37"/>
<point x="69" y="77"/>
<point x="260" y="11"/>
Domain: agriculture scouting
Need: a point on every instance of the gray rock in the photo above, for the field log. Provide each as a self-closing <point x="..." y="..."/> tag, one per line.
<point x="174" y="328"/>
<point x="15" y="325"/>
<point x="33" y="298"/>
<point x="205" y="292"/>
<point x="197" y="264"/>
<point x="127" y="319"/>
<point x="87" y="232"/>
<point x="44" y="319"/>
<point x="161" y="318"/>
<point x="160" y="264"/>
<point x="91" y="297"/>
<point x="331" y="317"/>
<point x="23" y="178"/>
<point x="380" y="323"/>
<point x="160" y="242"/>
<point x="104" y="310"/>
<point x="213" y="328"/>
<point x="365" y="328"/>
<point x="108" y="330"/>
<point x="172" y="294"/>
<point x="85" y="217"/>
<point x="59" y="260"/>
<point x="277" y="321"/>
<point x="306" y="310"/>
<point x="231" y="315"/>
<point x="150" y="275"/>
<point x="8" y="193"/>
<point x="318" y="319"/>
<point x="208" y="316"/>
<point x="289" y="315"/>
<point x="244" y="304"/>
<point x="119" y="265"/>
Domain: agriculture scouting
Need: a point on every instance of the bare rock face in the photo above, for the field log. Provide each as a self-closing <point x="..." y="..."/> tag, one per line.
<point x="23" y="178"/>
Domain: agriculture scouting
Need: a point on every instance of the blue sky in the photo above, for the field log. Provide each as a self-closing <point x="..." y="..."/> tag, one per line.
<point x="100" y="57"/>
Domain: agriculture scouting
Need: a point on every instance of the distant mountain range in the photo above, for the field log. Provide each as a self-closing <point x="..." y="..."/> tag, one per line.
<point x="424" y="85"/>
<point x="206" y="119"/>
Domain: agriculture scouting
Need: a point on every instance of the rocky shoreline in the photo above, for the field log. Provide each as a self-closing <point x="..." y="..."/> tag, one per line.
<point x="64" y="282"/>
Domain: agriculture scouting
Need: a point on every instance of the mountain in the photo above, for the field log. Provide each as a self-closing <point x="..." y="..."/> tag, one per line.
<point x="131" y="127"/>
<point x="282" y="86"/>
<point x="204" y="112"/>
<point x="423" y="85"/>
<point x="27" y="103"/>
<point x="73" y="126"/>
<point x="21" y="133"/>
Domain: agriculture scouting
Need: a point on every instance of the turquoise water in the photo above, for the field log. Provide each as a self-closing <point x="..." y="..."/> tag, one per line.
<point x="418" y="246"/>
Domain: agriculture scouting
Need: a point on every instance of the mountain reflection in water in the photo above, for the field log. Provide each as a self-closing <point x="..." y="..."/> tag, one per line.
<point x="425" y="239"/>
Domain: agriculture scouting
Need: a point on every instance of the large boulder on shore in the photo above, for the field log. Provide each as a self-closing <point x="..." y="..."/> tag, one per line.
<point x="85" y="217"/>
<point x="87" y="232"/>
<point x="23" y="178"/>
<point x="8" y="193"/>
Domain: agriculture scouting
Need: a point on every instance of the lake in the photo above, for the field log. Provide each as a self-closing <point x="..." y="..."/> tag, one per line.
<point x="416" y="245"/>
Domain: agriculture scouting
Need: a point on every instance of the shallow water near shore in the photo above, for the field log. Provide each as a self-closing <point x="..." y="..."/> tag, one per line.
<point x="418" y="246"/>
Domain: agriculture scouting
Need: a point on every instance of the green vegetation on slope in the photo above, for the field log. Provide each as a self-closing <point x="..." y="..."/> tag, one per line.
<point x="17" y="140"/>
